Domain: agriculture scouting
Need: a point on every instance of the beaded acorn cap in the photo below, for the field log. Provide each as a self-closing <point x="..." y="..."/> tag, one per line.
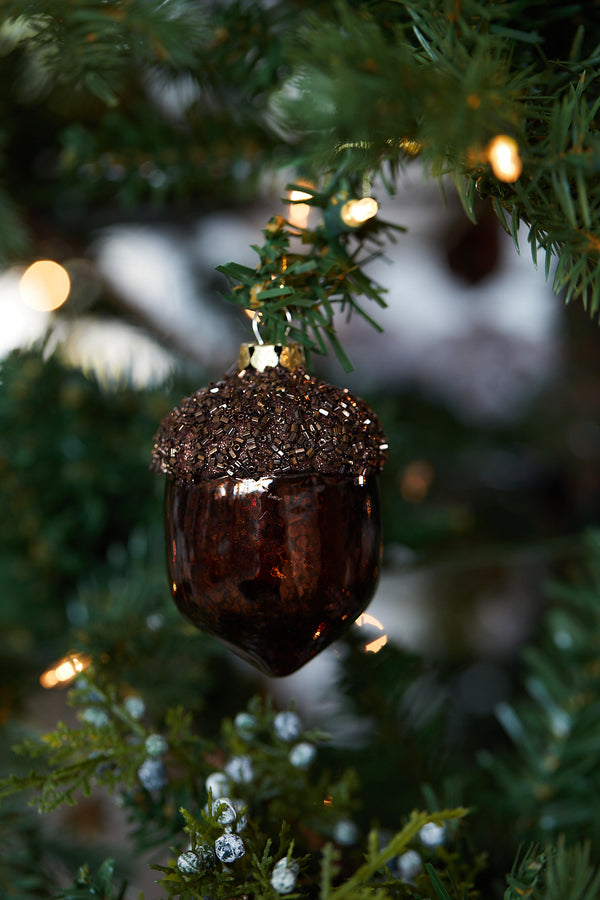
<point x="276" y="421"/>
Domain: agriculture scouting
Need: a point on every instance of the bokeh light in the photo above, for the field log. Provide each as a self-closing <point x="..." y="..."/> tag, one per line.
<point x="356" y="212"/>
<point x="65" y="670"/>
<point x="415" y="480"/>
<point x="45" y="285"/>
<point x="503" y="154"/>
<point x="299" y="212"/>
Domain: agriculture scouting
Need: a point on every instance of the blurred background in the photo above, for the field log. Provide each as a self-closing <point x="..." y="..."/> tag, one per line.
<point x="487" y="387"/>
<point x="486" y="384"/>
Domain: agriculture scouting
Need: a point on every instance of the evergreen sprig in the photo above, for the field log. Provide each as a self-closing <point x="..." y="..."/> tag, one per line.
<point x="112" y="747"/>
<point x="546" y="782"/>
<point x="390" y="85"/>
<point x="278" y="85"/>
<point x="557" y="872"/>
<point x="99" y="885"/>
<point x="252" y="872"/>
<point x="97" y="45"/>
<point x="307" y="274"/>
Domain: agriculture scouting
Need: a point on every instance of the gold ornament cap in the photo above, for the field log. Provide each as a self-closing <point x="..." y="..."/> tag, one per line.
<point x="268" y="356"/>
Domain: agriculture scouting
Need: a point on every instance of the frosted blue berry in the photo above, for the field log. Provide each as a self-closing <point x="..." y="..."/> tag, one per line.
<point x="245" y="724"/>
<point x="229" y="847"/>
<point x="193" y="862"/>
<point x="134" y="706"/>
<point x="187" y="863"/>
<point x="239" y="769"/>
<point x="95" y="716"/>
<point x="284" y="875"/>
<point x="287" y="725"/>
<point x="156" y="745"/>
<point x="432" y="835"/>
<point x="302" y="755"/>
<point x="217" y="784"/>
<point x="224" y="811"/>
<point x="345" y="832"/>
<point x="408" y="866"/>
<point x="153" y="775"/>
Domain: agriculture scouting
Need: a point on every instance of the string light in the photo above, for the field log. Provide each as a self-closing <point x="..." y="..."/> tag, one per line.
<point x="503" y="154"/>
<point x="65" y="670"/>
<point x="45" y="285"/>
<point x="299" y="212"/>
<point x="355" y="213"/>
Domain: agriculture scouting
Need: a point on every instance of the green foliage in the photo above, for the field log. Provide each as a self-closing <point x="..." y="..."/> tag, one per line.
<point x="450" y="78"/>
<point x="526" y="873"/>
<point x="252" y="872"/>
<point x="97" y="45"/>
<point x="110" y="745"/>
<point x="305" y="273"/>
<point x="396" y="75"/>
<point x="85" y="90"/>
<point x="546" y="780"/>
<point x="555" y="873"/>
<point x="32" y="853"/>
<point x="269" y="86"/>
<point x="68" y="508"/>
<point x="287" y="806"/>
<point x="100" y="885"/>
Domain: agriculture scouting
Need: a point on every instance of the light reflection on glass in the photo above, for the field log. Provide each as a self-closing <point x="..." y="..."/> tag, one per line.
<point x="376" y="645"/>
<point x="247" y="486"/>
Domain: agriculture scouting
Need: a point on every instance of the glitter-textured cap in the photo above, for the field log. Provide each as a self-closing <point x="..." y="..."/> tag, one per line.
<point x="278" y="421"/>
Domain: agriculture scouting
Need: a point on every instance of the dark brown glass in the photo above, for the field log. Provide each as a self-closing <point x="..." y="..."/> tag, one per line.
<point x="277" y="568"/>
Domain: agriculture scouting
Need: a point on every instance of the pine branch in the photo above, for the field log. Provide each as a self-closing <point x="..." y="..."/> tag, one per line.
<point x="447" y="84"/>
<point x="555" y="729"/>
<point x="95" y="45"/>
<point x="100" y="885"/>
<point x="409" y="77"/>
<point x="304" y="274"/>
<point x="555" y="873"/>
<point x="267" y="764"/>
<point x="396" y="846"/>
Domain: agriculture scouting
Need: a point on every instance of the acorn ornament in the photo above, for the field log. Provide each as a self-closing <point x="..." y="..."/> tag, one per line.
<point x="272" y="508"/>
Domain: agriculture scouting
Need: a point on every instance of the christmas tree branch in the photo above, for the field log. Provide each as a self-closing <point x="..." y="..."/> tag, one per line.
<point x="386" y="91"/>
<point x="555" y="871"/>
<point x="306" y="273"/>
<point x="409" y="78"/>
<point x="396" y="846"/>
<point x="555" y="727"/>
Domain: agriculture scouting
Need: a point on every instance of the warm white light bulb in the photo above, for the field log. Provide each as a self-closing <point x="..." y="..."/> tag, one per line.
<point x="45" y="285"/>
<point x="355" y="213"/>
<point x="65" y="670"/>
<point x="503" y="154"/>
<point x="299" y="212"/>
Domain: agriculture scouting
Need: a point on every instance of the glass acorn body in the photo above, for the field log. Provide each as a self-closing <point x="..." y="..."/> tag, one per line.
<point x="272" y="509"/>
<point x="277" y="568"/>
